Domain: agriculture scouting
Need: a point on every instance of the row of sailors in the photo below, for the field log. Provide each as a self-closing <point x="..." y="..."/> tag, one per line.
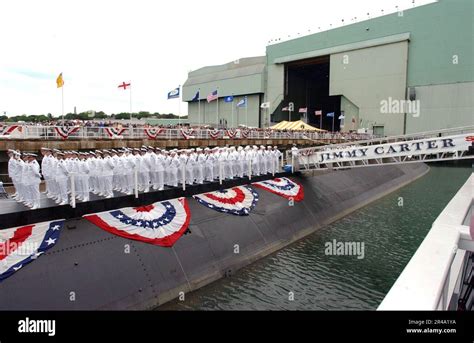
<point x="103" y="171"/>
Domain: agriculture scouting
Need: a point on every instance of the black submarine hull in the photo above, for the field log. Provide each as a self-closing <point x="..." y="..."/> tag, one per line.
<point x="90" y="269"/>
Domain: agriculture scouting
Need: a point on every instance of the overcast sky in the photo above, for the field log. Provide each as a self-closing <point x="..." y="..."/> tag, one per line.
<point x="154" y="44"/>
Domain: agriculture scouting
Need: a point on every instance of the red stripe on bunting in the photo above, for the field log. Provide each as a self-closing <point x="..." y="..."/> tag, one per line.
<point x="12" y="244"/>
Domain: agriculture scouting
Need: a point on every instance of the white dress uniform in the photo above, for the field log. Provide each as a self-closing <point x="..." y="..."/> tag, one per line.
<point x="216" y="163"/>
<point x="160" y="171"/>
<point x="209" y="166"/>
<point x="241" y="162"/>
<point x="46" y="171"/>
<point x="200" y="167"/>
<point x="174" y="167"/>
<point x="61" y="173"/>
<point x="32" y="180"/>
<point x="14" y="172"/>
<point x="117" y="178"/>
<point x="277" y="154"/>
<point x="190" y="163"/>
<point x="261" y="161"/>
<point x="255" y="157"/>
<point x="106" y="177"/>
<point x="83" y="175"/>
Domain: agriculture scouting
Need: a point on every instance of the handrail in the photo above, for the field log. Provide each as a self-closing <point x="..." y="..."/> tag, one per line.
<point x="160" y="133"/>
<point x="422" y="287"/>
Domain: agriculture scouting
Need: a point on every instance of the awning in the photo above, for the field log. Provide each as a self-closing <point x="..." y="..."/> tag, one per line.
<point x="295" y="125"/>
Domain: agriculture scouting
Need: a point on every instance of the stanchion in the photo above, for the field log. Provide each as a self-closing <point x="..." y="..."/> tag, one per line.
<point x="73" y="192"/>
<point x="250" y="169"/>
<point x="135" y="174"/>
<point x="220" y="172"/>
<point x="183" y="175"/>
<point x="292" y="163"/>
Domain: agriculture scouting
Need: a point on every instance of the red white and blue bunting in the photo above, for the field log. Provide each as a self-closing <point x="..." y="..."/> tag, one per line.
<point x="161" y="223"/>
<point x="238" y="200"/>
<point x="153" y="133"/>
<point x="187" y="134"/>
<point x="283" y="187"/>
<point x="214" y="134"/>
<point x="244" y="133"/>
<point x="22" y="245"/>
<point x="231" y="133"/>
<point x="65" y="132"/>
<point x="114" y="132"/>
<point x="7" y="130"/>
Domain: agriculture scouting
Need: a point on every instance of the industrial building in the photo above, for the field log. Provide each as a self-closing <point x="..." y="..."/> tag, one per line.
<point x="405" y="72"/>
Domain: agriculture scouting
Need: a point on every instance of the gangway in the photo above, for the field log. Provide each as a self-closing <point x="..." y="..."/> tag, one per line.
<point x="432" y="146"/>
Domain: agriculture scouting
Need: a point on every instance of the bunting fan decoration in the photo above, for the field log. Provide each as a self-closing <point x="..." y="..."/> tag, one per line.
<point x="187" y="134"/>
<point x="283" y="187"/>
<point x="231" y="133"/>
<point x="162" y="223"/>
<point x="7" y="130"/>
<point x="65" y="132"/>
<point x="22" y="245"/>
<point x="114" y="132"/>
<point x="238" y="201"/>
<point x="153" y="133"/>
<point x="214" y="134"/>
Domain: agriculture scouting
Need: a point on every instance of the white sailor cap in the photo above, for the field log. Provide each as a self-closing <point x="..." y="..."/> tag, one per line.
<point x="45" y="149"/>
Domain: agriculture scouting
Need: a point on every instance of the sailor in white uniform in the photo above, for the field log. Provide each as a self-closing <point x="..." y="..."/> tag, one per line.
<point x="200" y="166"/>
<point x="106" y="177"/>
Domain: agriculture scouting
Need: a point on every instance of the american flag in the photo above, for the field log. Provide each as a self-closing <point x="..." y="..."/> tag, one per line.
<point x="212" y="96"/>
<point x="303" y="110"/>
<point x="285" y="109"/>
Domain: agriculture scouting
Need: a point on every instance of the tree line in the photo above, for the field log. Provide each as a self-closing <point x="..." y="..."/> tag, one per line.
<point x="90" y="115"/>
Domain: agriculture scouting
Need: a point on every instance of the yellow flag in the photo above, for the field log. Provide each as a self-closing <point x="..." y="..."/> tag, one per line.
<point x="60" y="81"/>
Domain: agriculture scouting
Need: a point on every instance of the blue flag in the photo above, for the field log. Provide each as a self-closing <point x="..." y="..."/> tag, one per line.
<point x="242" y="103"/>
<point x="174" y="93"/>
<point x="330" y="114"/>
<point x="229" y="98"/>
<point x="196" y="97"/>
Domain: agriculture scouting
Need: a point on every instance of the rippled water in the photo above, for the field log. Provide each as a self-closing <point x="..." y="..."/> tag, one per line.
<point x="318" y="282"/>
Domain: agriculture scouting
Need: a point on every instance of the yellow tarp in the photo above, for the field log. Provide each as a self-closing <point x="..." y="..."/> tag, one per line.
<point x="294" y="125"/>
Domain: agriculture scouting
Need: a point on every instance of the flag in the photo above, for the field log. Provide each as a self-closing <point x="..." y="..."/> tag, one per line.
<point x="318" y="113"/>
<point x="265" y="105"/>
<point x="229" y="99"/>
<point x="60" y="81"/>
<point x="303" y="110"/>
<point x="174" y="93"/>
<point x="124" y="85"/>
<point x="330" y="114"/>
<point x="242" y="103"/>
<point x="341" y="117"/>
<point x="196" y="97"/>
<point x="22" y="245"/>
<point x="212" y="96"/>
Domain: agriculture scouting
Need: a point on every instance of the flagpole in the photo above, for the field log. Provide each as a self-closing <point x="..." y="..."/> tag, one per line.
<point x="130" y="103"/>
<point x="217" y="90"/>
<point x="232" y="104"/>
<point x="199" y="107"/>
<point x="179" y="106"/>
<point x="247" y="110"/>
<point x="62" y="102"/>
<point x="321" y="121"/>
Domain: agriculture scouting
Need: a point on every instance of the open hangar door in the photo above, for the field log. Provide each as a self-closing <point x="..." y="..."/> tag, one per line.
<point x="307" y="86"/>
